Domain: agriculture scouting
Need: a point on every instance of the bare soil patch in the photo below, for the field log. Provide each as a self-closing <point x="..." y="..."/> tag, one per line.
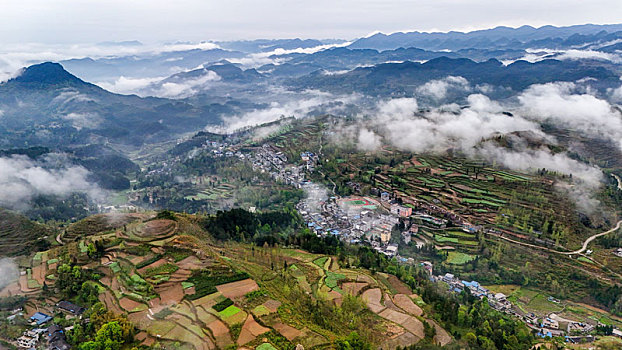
<point x="172" y="294"/>
<point x="402" y="340"/>
<point x="38" y="273"/>
<point x="251" y="330"/>
<point x="11" y="289"/>
<point x="287" y="331"/>
<point x="372" y="297"/>
<point x="398" y="285"/>
<point x="353" y="288"/>
<point x="237" y="289"/>
<point x="129" y="304"/>
<point x="157" y="228"/>
<point x="414" y="326"/>
<point x="218" y="328"/>
<point x="156" y="263"/>
<point x="108" y="299"/>
<point x="405" y="303"/>
<point x="272" y="305"/>
<point x="190" y="263"/>
<point x="442" y="337"/>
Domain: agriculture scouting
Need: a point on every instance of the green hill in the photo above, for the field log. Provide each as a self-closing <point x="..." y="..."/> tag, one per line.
<point x="19" y="236"/>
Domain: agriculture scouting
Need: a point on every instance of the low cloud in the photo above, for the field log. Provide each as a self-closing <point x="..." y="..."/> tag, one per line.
<point x="128" y="85"/>
<point x="442" y="129"/>
<point x="561" y="105"/>
<point x="438" y="89"/>
<point x="83" y="120"/>
<point x="615" y="94"/>
<point x="315" y="196"/>
<point x="9" y="272"/>
<point x="311" y="101"/>
<point x="261" y="58"/>
<point x="368" y="140"/>
<point x="471" y="130"/>
<point x="22" y="178"/>
<point x="186" y="87"/>
<point x="588" y="54"/>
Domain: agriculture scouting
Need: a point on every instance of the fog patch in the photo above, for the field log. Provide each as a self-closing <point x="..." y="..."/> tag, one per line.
<point x="186" y="87"/>
<point x="9" y="272"/>
<point x="471" y="130"/>
<point x="589" y="54"/>
<point x="312" y="102"/>
<point x="128" y="85"/>
<point x="562" y="105"/>
<point x="22" y="178"/>
<point x="83" y="120"/>
<point x="438" y="89"/>
<point x="315" y="196"/>
<point x="368" y="140"/>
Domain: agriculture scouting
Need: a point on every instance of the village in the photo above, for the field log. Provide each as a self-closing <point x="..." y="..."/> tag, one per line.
<point x="43" y="332"/>
<point x="367" y="220"/>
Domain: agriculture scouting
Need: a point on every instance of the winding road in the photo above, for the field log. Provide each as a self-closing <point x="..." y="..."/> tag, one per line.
<point x="593" y="237"/>
<point x="578" y="251"/>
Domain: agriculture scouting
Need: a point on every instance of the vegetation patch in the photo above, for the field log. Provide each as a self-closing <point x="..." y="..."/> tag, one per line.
<point x="165" y="269"/>
<point x="222" y="305"/>
<point x="265" y="346"/>
<point x="205" y="281"/>
<point x="458" y="258"/>
<point x="229" y="311"/>
<point x="320" y="261"/>
<point x="332" y="278"/>
<point x="261" y="310"/>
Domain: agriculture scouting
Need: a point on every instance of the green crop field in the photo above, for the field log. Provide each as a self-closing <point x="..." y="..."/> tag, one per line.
<point x="458" y="258"/>
<point x="320" y="261"/>
<point x="230" y="311"/>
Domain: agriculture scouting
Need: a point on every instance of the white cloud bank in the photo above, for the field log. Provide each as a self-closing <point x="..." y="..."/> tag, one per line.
<point x="471" y="130"/>
<point x="22" y="178"/>
<point x="438" y="89"/>
<point x="558" y="103"/>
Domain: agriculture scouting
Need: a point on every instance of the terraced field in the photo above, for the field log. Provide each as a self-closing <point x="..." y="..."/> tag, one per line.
<point x="18" y="234"/>
<point x="185" y="292"/>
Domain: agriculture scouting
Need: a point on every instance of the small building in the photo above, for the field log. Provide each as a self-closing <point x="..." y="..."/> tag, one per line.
<point x="500" y="297"/>
<point x="549" y="323"/>
<point x="56" y="338"/>
<point x="579" y="327"/>
<point x="427" y="266"/>
<point x="448" y="278"/>
<point x="531" y="318"/>
<point x="40" y="318"/>
<point x="580" y="339"/>
<point x="618" y="252"/>
<point x="70" y="308"/>
<point x="391" y="250"/>
<point x="400" y="210"/>
<point x="385" y="196"/>
<point x="26" y="342"/>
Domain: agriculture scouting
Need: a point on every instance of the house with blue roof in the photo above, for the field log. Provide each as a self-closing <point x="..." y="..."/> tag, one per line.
<point x="40" y="318"/>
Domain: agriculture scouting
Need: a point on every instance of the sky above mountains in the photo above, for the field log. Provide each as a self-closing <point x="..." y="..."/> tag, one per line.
<point x="88" y="21"/>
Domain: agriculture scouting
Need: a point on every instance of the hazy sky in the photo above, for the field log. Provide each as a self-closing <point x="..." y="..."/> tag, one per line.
<point x="82" y="21"/>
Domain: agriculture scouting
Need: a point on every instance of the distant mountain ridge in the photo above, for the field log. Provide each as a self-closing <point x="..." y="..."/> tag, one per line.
<point x="499" y="37"/>
<point x="399" y="79"/>
<point x="47" y="73"/>
<point x="46" y="105"/>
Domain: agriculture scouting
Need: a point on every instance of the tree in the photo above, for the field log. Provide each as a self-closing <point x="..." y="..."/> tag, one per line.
<point x="109" y="337"/>
<point x="352" y="342"/>
<point x="471" y="339"/>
